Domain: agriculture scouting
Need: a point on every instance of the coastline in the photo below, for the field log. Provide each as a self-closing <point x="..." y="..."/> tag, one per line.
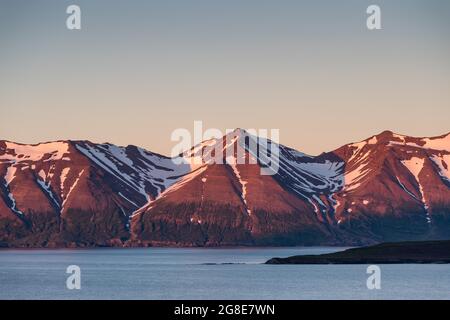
<point x="411" y="252"/>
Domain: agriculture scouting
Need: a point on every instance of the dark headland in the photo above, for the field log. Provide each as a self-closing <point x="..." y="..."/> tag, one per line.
<point x="385" y="253"/>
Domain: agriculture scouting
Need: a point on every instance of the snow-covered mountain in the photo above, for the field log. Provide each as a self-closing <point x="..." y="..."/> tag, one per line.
<point x="78" y="193"/>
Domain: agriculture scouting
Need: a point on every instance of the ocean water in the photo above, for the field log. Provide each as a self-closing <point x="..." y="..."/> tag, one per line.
<point x="181" y="273"/>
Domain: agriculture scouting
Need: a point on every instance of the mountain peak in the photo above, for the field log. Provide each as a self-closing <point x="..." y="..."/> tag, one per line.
<point x="238" y="132"/>
<point x="388" y="133"/>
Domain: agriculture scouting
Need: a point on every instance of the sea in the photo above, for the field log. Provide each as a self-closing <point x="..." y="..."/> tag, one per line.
<point x="207" y="273"/>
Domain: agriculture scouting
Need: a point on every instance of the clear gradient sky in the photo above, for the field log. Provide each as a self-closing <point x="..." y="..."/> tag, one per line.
<point x="140" y="69"/>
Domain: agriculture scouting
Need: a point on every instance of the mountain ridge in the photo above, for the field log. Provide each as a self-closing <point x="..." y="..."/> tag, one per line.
<point x="388" y="131"/>
<point x="386" y="187"/>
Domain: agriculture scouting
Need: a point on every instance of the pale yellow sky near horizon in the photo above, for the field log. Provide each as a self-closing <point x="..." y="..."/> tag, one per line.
<point x="140" y="69"/>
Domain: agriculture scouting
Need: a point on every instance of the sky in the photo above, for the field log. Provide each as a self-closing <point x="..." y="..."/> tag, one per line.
<point x="138" y="70"/>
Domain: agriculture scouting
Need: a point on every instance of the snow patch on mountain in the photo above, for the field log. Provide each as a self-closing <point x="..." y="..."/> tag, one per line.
<point x="356" y="150"/>
<point x="440" y="143"/>
<point x="133" y="203"/>
<point x="183" y="181"/>
<point x="63" y="178"/>
<point x="353" y="178"/>
<point x="166" y="170"/>
<point x="21" y="152"/>
<point x="443" y="163"/>
<point x="311" y="177"/>
<point x="405" y="189"/>
<point x="13" y="204"/>
<point x="104" y="158"/>
<point x="10" y="174"/>
<point x="138" y="172"/>
<point x="72" y="187"/>
<point x="243" y="184"/>
<point x="9" y="177"/>
<point x="415" y="166"/>
<point x="47" y="189"/>
<point x="373" y="140"/>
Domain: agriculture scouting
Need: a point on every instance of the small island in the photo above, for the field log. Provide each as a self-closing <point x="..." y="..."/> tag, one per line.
<point x="424" y="252"/>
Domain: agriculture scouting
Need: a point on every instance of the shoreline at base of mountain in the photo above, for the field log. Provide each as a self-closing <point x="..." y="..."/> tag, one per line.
<point x="411" y="252"/>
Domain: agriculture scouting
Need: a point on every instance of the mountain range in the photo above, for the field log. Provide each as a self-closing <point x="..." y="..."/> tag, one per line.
<point x="389" y="187"/>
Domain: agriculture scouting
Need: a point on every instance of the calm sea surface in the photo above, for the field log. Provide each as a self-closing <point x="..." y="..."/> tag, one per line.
<point x="238" y="273"/>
